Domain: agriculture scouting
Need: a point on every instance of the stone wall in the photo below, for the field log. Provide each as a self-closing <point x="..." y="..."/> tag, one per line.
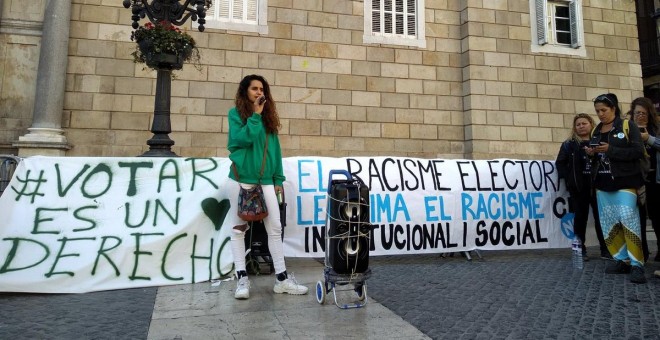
<point x="519" y="104"/>
<point x="475" y="91"/>
<point x="20" y="30"/>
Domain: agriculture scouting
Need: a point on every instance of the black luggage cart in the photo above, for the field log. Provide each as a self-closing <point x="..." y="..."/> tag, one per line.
<point x="347" y="240"/>
<point x="256" y="244"/>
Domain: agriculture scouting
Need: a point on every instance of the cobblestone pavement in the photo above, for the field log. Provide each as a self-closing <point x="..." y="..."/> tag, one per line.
<point x="507" y="295"/>
<point x="117" y="314"/>
<point x="516" y="295"/>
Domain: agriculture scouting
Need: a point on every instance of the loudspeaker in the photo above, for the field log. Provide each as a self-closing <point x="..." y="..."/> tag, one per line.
<point x="349" y="227"/>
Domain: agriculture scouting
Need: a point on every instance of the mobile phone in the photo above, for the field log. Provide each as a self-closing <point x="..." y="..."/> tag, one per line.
<point x="262" y="100"/>
<point x="594" y="144"/>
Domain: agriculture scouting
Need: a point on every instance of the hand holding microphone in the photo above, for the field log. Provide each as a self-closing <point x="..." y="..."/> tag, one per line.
<point x="259" y="104"/>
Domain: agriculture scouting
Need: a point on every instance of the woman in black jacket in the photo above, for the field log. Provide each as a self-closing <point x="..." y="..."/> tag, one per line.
<point x="643" y="113"/>
<point x="574" y="166"/>
<point x="617" y="176"/>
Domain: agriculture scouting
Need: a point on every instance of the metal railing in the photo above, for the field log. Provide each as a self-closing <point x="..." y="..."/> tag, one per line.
<point x="8" y="164"/>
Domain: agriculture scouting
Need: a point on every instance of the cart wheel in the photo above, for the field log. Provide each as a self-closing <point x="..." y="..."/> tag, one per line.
<point x="361" y="291"/>
<point x="320" y="292"/>
<point x="252" y="265"/>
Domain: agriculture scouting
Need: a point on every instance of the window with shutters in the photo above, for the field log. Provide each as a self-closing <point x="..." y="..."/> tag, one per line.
<point x="557" y="27"/>
<point x="238" y="15"/>
<point x="394" y="22"/>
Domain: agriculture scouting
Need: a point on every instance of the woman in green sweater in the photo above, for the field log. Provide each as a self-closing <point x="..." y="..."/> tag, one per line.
<point x="251" y="121"/>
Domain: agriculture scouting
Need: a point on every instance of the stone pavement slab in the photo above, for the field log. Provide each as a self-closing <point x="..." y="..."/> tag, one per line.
<point x="201" y="311"/>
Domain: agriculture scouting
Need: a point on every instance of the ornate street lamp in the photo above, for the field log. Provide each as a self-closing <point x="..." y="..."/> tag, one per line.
<point x="167" y="12"/>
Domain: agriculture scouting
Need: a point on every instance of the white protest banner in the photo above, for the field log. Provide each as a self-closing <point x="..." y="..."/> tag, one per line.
<point x="433" y="205"/>
<point x="84" y="224"/>
<point x="88" y="224"/>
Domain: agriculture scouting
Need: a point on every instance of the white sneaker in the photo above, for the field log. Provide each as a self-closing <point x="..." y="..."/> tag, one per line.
<point x="242" y="288"/>
<point x="289" y="286"/>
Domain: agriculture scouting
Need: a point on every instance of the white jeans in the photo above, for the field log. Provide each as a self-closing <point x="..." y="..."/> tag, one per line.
<point x="271" y="222"/>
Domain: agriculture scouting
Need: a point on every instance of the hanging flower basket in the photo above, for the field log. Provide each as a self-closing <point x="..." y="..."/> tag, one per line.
<point x="164" y="59"/>
<point x="164" y="46"/>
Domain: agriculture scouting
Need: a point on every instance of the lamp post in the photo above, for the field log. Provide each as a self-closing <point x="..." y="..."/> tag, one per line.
<point x="167" y="12"/>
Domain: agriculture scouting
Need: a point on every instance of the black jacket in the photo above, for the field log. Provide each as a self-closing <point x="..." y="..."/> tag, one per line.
<point x="624" y="153"/>
<point x="570" y="165"/>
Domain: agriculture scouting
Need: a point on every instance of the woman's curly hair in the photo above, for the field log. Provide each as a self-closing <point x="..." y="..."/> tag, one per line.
<point x="245" y="107"/>
<point x="647" y="104"/>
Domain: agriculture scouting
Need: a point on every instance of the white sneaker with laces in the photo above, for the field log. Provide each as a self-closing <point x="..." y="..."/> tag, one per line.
<point x="289" y="286"/>
<point x="242" y="288"/>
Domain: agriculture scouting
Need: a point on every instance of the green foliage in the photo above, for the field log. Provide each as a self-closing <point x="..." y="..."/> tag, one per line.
<point x="163" y="37"/>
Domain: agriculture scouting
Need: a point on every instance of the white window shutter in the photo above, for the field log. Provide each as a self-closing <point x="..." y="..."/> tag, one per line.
<point x="211" y="12"/>
<point x="238" y="15"/>
<point x="541" y="17"/>
<point x="395" y="22"/>
<point x="411" y="15"/>
<point x="223" y="8"/>
<point x="376" y="11"/>
<point x="251" y="10"/>
<point x="237" y="10"/>
<point x="573" y="15"/>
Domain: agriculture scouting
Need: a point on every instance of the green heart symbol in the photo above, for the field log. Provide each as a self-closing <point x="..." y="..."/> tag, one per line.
<point x="216" y="211"/>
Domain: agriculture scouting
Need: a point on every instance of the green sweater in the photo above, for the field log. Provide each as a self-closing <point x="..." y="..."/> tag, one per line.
<point x="246" y="143"/>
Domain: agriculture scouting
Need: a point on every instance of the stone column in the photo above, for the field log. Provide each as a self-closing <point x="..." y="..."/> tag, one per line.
<point x="46" y="137"/>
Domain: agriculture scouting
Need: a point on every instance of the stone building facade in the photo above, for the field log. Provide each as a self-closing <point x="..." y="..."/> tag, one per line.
<point x="475" y="81"/>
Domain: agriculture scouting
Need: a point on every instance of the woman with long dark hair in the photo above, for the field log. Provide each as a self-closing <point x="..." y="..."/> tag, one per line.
<point x="643" y="113"/>
<point x="617" y="176"/>
<point x="252" y="121"/>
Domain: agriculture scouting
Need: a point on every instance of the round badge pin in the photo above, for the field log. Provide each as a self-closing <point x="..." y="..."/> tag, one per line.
<point x="620" y="135"/>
